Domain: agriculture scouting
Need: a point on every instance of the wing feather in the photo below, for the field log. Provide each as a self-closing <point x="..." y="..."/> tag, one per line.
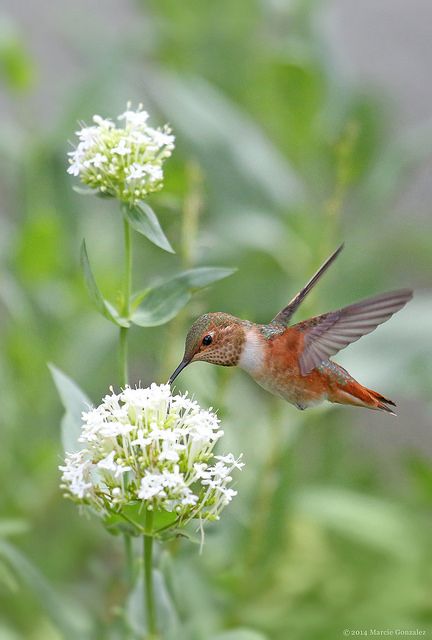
<point x="327" y="334"/>
<point x="284" y="316"/>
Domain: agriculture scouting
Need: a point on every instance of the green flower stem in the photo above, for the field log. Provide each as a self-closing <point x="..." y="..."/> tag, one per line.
<point x="148" y="576"/>
<point x="128" y="266"/>
<point x="129" y="561"/>
<point x="127" y="289"/>
<point x="124" y="377"/>
<point x="124" y="373"/>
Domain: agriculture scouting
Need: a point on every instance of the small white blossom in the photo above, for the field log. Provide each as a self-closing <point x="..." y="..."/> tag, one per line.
<point x="98" y="160"/>
<point x="146" y="447"/>
<point x="124" y="162"/>
<point x="135" y="172"/>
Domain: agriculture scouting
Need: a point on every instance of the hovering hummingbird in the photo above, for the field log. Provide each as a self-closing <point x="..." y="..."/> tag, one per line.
<point x="293" y="362"/>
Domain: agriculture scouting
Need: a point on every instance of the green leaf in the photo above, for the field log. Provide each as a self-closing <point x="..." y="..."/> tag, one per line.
<point x="143" y="219"/>
<point x="74" y="402"/>
<point x="135" y="519"/>
<point x="239" y="634"/>
<point x="366" y="520"/>
<point x="49" y="600"/>
<point x="8" y="579"/>
<point x="165" y="610"/>
<point x="203" y="276"/>
<point x="162" y="303"/>
<point x="16" y="65"/>
<point x="216" y="128"/>
<point x="12" y="527"/>
<point x="83" y="191"/>
<point x="101" y="305"/>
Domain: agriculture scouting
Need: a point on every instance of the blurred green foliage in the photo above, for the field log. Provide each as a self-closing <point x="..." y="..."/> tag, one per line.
<point x="277" y="160"/>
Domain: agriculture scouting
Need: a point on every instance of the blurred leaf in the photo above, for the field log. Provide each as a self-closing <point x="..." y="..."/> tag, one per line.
<point x="101" y="305"/>
<point x="8" y="578"/>
<point x="144" y="220"/>
<point x="367" y="520"/>
<point x="42" y="590"/>
<point x="16" y="65"/>
<point x="12" y="527"/>
<point x="239" y="634"/>
<point x="84" y="191"/>
<point x="421" y="472"/>
<point x="14" y="298"/>
<point x="162" y="303"/>
<point x="74" y="402"/>
<point x="203" y="276"/>
<point x="211" y="121"/>
<point x="165" y="611"/>
<point x="390" y="175"/>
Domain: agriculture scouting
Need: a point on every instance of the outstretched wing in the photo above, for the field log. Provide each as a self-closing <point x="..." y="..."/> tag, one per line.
<point x="327" y="334"/>
<point x="284" y="316"/>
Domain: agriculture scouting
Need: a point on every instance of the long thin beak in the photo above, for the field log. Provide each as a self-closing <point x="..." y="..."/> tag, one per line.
<point x="182" y="365"/>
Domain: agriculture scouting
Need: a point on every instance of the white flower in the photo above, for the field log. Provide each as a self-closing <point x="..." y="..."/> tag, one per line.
<point x="135" y="171"/>
<point x="126" y="162"/>
<point x="134" y="118"/>
<point x="76" y="475"/>
<point x="121" y="149"/>
<point x="98" y="160"/>
<point x="151" y="486"/>
<point x="147" y="447"/>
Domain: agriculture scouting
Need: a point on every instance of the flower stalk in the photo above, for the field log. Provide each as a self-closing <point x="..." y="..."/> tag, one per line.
<point x="127" y="289"/>
<point x="148" y="575"/>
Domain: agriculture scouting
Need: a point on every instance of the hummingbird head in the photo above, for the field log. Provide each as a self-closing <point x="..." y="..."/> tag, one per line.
<point x="214" y="337"/>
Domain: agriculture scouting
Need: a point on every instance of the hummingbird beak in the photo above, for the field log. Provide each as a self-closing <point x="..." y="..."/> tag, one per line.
<point x="182" y="365"/>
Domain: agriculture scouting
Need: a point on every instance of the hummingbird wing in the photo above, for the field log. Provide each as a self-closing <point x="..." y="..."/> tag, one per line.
<point x="284" y="316"/>
<point x="327" y="334"/>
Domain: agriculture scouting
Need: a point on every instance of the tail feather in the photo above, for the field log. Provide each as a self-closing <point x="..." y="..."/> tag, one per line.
<point x="382" y="402"/>
<point x="356" y="394"/>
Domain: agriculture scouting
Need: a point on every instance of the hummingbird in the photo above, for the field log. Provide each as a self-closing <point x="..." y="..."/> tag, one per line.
<point x="293" y="361"/>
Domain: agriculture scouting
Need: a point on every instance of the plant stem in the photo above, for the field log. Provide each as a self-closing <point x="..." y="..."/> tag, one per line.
<point x="129" y="560"/>
<point x="148" y="576"/>
<point x="124" y="377"/>
<point x="127" y="289"/>
<point x="124" y="374"/>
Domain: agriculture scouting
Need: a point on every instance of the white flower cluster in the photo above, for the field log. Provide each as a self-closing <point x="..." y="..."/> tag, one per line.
<point x="125" y="162"/>
<point x="148" y="447"/>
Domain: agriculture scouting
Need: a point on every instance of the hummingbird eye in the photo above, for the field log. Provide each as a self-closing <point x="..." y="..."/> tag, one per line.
<point x="207" y="340"/>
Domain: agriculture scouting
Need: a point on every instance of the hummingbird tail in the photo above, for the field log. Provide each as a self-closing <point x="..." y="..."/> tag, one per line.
<point x="382" y="403"/>
<point x="356" y="394"/>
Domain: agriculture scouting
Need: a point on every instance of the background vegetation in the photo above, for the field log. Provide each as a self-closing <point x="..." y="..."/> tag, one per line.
<point x="278" y="159"/>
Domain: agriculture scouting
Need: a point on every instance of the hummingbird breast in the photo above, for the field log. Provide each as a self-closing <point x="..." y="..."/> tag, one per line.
<point x="270" y="356"/>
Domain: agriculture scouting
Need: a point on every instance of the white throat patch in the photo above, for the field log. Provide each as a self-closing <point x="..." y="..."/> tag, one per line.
<point x="252" y="355"/>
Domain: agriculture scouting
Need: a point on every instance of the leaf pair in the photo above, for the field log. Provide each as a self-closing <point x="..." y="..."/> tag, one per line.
<point x="156" y="305"/>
